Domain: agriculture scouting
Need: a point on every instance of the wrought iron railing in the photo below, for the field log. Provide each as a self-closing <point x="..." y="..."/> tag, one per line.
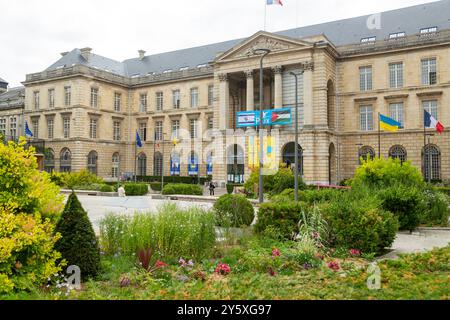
<point x="37" y="144"/>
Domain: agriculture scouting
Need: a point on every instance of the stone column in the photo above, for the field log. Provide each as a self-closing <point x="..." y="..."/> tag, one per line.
<point x="250" y="91"/>
<point x="224" y="96"/>
<point x="278" y="72"/>
<point x="308" y="68"/>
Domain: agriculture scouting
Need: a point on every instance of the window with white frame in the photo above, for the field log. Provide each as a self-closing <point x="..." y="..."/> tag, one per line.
<point x="428" y="30"/>
<point x="51" y="98"/>
<point x="117" y="101"/>
<point x="210" y="95"/>
<point x="210" y="122"/>
<point x="396" y="113"/>
<point x="143" y="131"/>
<point x="159" y="101"/>
<point x="3" y="127"/>
<point x="66" y="127"/>
<point x="93" y="128"/>
<point x="431" y="106"/>
<point x="143" y="102"/>
<point x="176" y="99"/>
<point x="50" y="128"/>
<point x="175" y="129"/>
<point x="397" y="35"/>
<point x="158" y="130"/>
<point x="115" y="165"/>
<point x="13" y="127"/>
<point x="116" y="131"/>
<point x="35" y="125"/>
<point x="365" y="78"/>
<point x="36" y="97"/>
<point x="368" y="40"/>
<point x="94" y="97"/>
<point x="194" y="97"/>
<point x="366" y="118"/>
<point x="67" y="96"/>
<point x="193" y="125"/>
<point x="396" y="75"/>
<point x="429" y="71"/>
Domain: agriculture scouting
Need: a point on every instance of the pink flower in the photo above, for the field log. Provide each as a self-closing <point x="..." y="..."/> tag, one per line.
<point x="276" y="253"/>
<point x="333" y="265"/>
<point x="223" y="269"/>
<point x="272" y="272"/>
<point x="355" y="252"/>
<point x="316" y="235"/>
<point x="160" y="264"/>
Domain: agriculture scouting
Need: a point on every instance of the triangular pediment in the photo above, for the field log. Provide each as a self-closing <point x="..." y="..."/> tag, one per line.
<point x="264" y="40"/>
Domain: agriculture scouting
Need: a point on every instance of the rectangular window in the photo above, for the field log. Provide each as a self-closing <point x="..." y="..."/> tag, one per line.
<point x="94" y="97"/>
<point x="193" y="128"/>
<point x="397" y="35"/>
<point x="365" y="78"/>
<point x="194" y="97"/>
<point x="36" y="100"/>
<point x="176" y="99"/>
<point x="431" y="106"/>
<point x="50" y="128"/>
<point x="93" y="129"/>
<point x="67" y="96"/>
<point x="143" y="102"/>
<point x="429" y="71"/>
<point x="159" y="101"/>
<point x="158" y="130"/>
<point x="396" y="113"/>
<point x="428" y="30"/>
<point x="35" y="125"/>
<point x="3" y="127"/>
<point x="66" y="127"/>
<point x="117" y="101"/>
<point x="210" y="123"/>
<point x="175" y="129"/>
<point x="116" y="131"/>
<point x="368" y="40"/>
<point x="366" y="118"/>
<point x="13" y="127"/>
<point x="210" y="95"/>
<point x="51" y="98"/>
<point x="396" y="75"/>
<point x="143" y="131"/>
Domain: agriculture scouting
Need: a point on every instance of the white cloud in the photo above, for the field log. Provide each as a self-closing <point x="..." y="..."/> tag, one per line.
<point x="34" y="32"/>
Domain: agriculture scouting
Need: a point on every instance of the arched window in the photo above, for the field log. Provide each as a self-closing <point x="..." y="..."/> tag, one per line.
<point x="142" y="165"/>
<point x="158" y="164"/>
<point x="398" y="152"/>
<point x="289" y="156"/>
<point x="175" y="167"/>
<point x="115" y="165"/>
<point x="49" y="160"/>
<point x="431" y="160"/>
<point x="235" y="164"/>
<point x="92" y="162"/>
<point x="366" y="153"/>
<point x="193" y="168"/>
<point x="65" y="160"/>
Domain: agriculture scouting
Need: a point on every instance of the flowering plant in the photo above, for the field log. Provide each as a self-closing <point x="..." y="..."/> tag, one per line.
<point x="333" y="265"/>
<point x="276" y="253"/>
<point x="355" y="252"/>
<point x="223" y="269"/>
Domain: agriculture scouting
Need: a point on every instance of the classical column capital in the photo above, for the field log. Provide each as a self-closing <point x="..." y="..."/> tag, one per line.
<point x="277" y="69"/>
<point x="248" y="73"/>
<point x="307" y="66"/>
<point x="223" y="77"/>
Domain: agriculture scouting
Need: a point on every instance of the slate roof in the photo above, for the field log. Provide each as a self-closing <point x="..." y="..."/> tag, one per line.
<point x="342" y="32"/>
<point x="3" y="81"/>
<point x="12" y="98"/>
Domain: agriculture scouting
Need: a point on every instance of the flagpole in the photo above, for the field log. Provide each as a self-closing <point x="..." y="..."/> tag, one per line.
<point x="379" y="136"/>
<point x="135" y="161"/>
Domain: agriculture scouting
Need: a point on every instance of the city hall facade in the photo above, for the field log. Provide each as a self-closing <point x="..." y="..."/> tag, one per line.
<point x="183" y="104"/>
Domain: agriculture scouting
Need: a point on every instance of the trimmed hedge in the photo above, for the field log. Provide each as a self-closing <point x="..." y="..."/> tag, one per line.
<point x="136" y="189"/>
<point x="182" y="189"/>
<point x="156" y="186"/>
<point x="444" y="190"/>
<point x="233" y="210"/>
<point x="174" y="179"/>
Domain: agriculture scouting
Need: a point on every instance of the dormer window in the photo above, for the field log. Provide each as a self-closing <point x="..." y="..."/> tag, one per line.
<point x="428" y="30"/>
<point x="167" y="71"/>
<point x="184" y="68"/>
<point x="368" y="40"/>
<point x="397" y="35"/>
<point x="203" y="65"/>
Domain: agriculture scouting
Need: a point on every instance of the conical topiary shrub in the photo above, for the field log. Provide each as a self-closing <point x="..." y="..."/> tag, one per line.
<point x="78" y="244"/>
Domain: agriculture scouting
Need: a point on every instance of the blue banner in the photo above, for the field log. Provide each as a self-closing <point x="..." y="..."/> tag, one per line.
<point x="246" y="119"/>
<point x="273" y="117"/>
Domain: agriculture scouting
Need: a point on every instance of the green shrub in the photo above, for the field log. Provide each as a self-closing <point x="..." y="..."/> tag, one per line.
<point x="233" y="211"/>
<point x="230" y="188"/>
<point x="309" y="196"/>
<point x="406" y="202"/>
<point x="380" y="173"/>
<point x="174" y="179"/>
<point x="136" y="189"/>
<point x="279" y="218"/>
<point x="156" y="186"/>
<point x="106" y="188"/>
<point x="171" y="231"/>
<point x="182" y="189"/>
<point x="78" y="244"/>
<point x="82" y="178"/>
<point x="436" y="209"/>
<point x="356" y="221"/>
<point x="282" y="180"/>
<point x="444" y="190"/>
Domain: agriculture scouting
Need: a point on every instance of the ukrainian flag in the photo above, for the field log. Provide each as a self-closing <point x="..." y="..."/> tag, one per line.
<point x="389" y="124"/>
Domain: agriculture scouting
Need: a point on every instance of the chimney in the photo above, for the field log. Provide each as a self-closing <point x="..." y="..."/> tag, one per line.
<point x="141" y="54"/>
<point x="86" y="53"/>
<point x="64" y="53"/>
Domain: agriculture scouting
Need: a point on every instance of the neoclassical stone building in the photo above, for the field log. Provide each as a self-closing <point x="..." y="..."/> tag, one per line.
<point x="88" y="107"/>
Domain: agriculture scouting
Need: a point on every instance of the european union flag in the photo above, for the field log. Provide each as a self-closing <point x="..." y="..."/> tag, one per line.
<point x="138" y="140"/>
<point x="27" y="130"/>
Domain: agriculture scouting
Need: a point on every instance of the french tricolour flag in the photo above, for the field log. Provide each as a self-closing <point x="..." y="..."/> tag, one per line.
<point x="270" y="2"/>
<point x="431" y="122"/>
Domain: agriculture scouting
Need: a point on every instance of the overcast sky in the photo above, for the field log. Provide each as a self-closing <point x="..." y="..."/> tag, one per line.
<point x="34" y="32"/>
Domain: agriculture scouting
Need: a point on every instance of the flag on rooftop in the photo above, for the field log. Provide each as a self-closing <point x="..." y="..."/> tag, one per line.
<point x="271" y="2"/>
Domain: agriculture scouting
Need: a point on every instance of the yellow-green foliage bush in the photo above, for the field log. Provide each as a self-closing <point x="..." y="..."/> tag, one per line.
<point x="73" y="180"/>
<point x="29" y="206"/>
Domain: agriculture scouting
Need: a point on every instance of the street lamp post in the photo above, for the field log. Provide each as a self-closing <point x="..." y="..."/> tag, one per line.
<point x="263" y="53"/>
<point x="162" y="162"/>
<point x="296" y="136"/>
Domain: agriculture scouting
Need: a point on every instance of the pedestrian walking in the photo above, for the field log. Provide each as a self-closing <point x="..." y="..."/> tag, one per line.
<point x="211" y="188"/>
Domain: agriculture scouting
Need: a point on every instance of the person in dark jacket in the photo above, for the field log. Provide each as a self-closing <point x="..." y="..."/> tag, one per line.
<point x="211" y="188"/>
